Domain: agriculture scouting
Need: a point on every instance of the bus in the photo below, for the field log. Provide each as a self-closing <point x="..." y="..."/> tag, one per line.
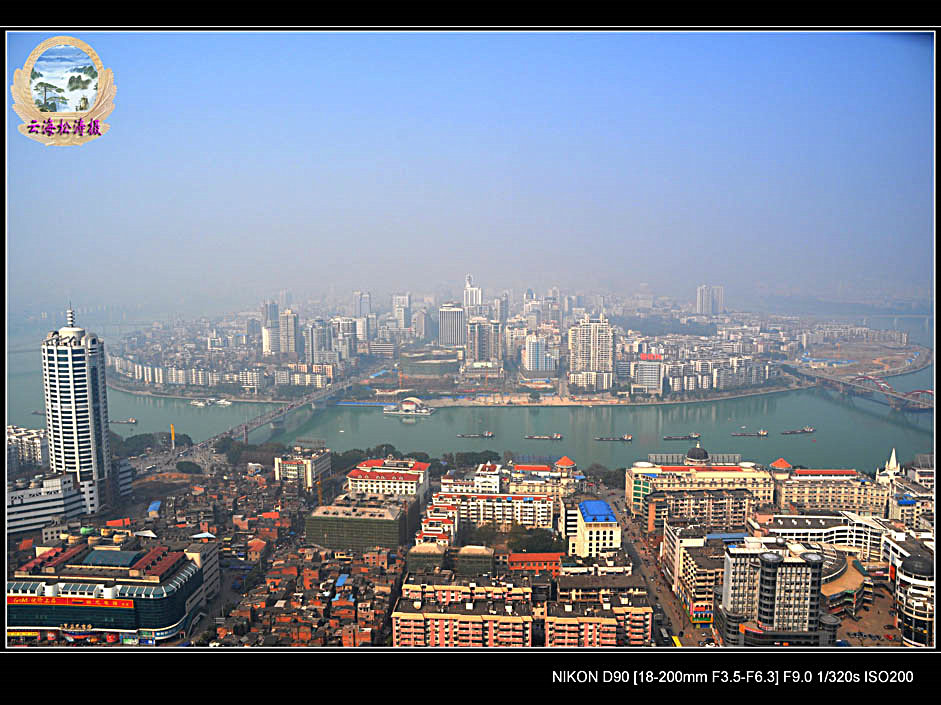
<point x="676" y="642"/>
<point x="663" y="639"/>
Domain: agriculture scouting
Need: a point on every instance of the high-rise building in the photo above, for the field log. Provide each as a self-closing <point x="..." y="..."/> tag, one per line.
<point x="288" y="332"/>
<point x="451" y="329"/>
<point x="362" y="304"/>
<point x="76" y="400"/>
<point x="402" y="309"/>
<point x="269" y="314"/>
<point x="420" y="325"/>
<point x="591" y="350"/>
<point x="710" y="299"/>
<point x="536" y="357"/>
<point x="501" y="307"/>
<point x="771" y="594"/>
<point x="270" y="340"/>
<point x="473" y="295"/>
<point x="484" y="340"/>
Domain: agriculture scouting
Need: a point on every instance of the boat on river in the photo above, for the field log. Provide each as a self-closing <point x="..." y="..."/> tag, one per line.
<point x="488" y="434"/>
<point x="805" y="429"/>
<point x="687" y="437"/>
<point x="627" y="438"/>
<point x="553" y="437"/>
<point x="760" y="434"/>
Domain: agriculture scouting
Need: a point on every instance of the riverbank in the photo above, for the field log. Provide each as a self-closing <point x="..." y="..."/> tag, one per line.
<point x="159" y="395"/>
<point x="925" y="359"/>
<point x="555" y="401"/>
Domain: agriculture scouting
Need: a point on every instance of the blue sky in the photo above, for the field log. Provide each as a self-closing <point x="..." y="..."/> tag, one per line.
<point x="240" y="164"/>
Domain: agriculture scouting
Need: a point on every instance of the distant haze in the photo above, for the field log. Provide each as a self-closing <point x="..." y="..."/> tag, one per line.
<point x="241" y="164"/>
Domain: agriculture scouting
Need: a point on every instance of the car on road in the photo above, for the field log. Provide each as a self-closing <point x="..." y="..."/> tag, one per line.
<point x="889" y="626"/>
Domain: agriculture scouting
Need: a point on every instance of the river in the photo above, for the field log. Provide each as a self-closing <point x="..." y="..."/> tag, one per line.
<point x="851" y="432"/>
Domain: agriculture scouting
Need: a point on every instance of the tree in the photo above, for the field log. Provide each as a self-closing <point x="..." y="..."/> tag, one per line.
<point x="48" y="101"/>
<point x="534" y="396"/>
<point x="188" y="467"/>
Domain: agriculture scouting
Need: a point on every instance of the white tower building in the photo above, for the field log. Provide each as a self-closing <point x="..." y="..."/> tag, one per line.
<point x="76" y="400"/>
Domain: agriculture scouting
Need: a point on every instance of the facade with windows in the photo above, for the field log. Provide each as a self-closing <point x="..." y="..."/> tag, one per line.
<point x="138" y="594"/>
<point x="43" y="501"/>
<point x="597" y="530"/>
<point x="771" y="596"/>
<point x="76" y="402"/>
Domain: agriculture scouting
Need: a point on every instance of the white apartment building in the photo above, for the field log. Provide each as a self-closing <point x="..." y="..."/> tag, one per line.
<point x="47" y="499"/>
<point x="597" y="530"/>
<point x="532" y="511"/>
<point x="390" y="477"/>
<point x="303" y="468"/>
<point x="28" y="445"/>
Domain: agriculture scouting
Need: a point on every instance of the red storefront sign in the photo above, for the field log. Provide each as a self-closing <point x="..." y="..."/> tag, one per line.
<point x="69" y="601"/>
<point x="651" y="356"/>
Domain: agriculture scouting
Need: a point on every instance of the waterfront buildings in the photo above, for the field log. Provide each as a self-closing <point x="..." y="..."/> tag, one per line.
<point x="535" y="358"/>
<point x="591" y="354"/>
<point x="484" y="340"/>
<point x="76" y="401"/>
<point x="304" y="468"/>
<point x="697" y="473"/>
<point x="451" y="326"/>
<point x="648" y="377"/>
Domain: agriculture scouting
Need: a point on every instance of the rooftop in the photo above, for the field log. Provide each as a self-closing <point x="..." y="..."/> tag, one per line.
<point x="596" y="510"/>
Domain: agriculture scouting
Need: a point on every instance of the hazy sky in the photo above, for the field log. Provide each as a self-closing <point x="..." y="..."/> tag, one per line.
<point x="240" y="164"/>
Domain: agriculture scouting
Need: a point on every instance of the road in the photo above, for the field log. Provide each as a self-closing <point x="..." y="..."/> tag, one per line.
<point x="645" y="564"/>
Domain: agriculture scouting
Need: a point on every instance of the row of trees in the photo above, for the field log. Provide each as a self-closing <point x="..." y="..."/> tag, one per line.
<point x="136" y="445"/>
<point x="600" y="473"/>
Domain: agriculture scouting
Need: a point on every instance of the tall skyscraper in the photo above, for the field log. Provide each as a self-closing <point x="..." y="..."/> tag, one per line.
<point x="501" y="307"/>
<point x="288" y="332"/>
<point x="269" y="314"/>
<point x="318" y="342"/>
<point x="76" y="401"/>
<point x="451" y="329"/>
<point x="591" y="351"/>
<point x="536" y="356"/>
<point x="362" y="304"/>
<point x="473" y="295"/>
<point x="484" y="340"/>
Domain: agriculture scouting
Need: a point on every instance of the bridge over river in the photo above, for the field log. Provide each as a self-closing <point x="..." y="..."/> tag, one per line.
<point x="273" y="416"/>
<point x="868" y="386"/>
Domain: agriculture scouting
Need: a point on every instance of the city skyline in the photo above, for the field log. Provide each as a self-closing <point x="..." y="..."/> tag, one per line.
<point x="504" y="156"/>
